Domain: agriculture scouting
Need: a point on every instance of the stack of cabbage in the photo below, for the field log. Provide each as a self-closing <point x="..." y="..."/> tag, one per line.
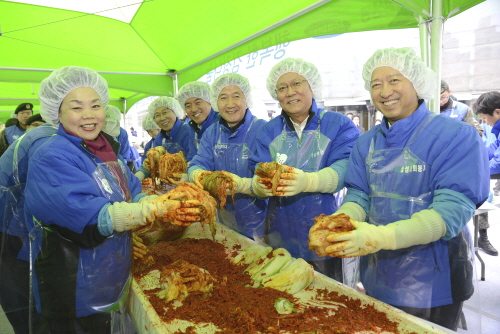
<point x="275" y="268"/>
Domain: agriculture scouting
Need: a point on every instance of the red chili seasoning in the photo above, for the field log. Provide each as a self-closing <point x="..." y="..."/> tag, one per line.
<point x="235" y="307"/>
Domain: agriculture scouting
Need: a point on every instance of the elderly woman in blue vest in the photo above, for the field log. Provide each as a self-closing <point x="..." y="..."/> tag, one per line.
<point x="174" y="134"/>
<point x="227" y="145"/>
<point x="413" y="183"/>
<point x="14" y="239"/>
<point x="84" y="202"/>
<point x="315" y="144"/>
<point x="112" y="128"/>
<point x="194" y="97"/>
<point x="150" y="126"/>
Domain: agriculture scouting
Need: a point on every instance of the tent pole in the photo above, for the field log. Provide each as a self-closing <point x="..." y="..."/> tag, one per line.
<point x="436" y="49"/>
<point x="124" y="101"/>
<point x="424" y="40"/>
<point x="175" y="84"/>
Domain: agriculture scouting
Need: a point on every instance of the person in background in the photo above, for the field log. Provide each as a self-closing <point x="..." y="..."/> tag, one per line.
<point x="23" y="112"/>
<point x="174" y="134"/>
<point x="194" y="97"/>
<point x="315" y="145"/>
<point x="82" y="246"/>
<point x="34" y="121"/>
<point x="355" y="120"/>
<point x="14" y="239"/>
<point x="112" y="128"/>
<point x="450" y="107"/>
<point x="226" y="146"/>
<point x="150" y="126"/>
<point x="133" y="132"/>
<point x="410" y="213"/>
<point x="3" y="137"/>
<point x="350" y="115"/>
<point x="488" y="107"/>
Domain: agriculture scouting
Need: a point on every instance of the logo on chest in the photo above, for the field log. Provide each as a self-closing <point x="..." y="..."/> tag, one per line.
<point x="281" y="158"/>
<point x="412" y="169"/>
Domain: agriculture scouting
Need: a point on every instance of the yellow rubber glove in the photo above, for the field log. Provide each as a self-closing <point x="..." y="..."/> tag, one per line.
<point x="140" y="175"/>
<point x="296" y="181"/>
<point x="319" y="232"/>
<point x="125" y="216"/>
<point x="178" y="178"/>
<point x="422" y="228"/>
<point x="138" y="248"/>
<point x="259" y="189"/>
<point x="243" y="185"/>
<point x="196" y="177"/>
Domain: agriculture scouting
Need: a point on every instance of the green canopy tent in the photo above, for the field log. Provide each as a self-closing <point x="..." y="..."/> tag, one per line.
<point x="169" y="43"/>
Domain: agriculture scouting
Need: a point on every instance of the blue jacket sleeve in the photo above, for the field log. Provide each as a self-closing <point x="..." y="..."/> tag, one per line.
<point x="124" y="145"/>
<point x="264" y="137"/>
<point x="204" y="158"/>
<point x="187" y="142"/>
<point x="494" y="155"/>
<point x="58" y="192"/>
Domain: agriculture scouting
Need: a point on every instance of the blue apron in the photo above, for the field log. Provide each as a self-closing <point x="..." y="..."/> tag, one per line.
<point x="417" y="276"/>
<point x="457" y="111"/>
<point x="104" y="269"/>
<point x="289" y="218"/>
<point x="172" y="147"/>
<point x="248" y="212"/>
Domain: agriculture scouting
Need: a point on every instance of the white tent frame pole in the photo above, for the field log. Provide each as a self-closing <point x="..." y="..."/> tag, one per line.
<point x="175" y="82"/>
<point x="424" y="40"/>
<point x="436" y="48"/>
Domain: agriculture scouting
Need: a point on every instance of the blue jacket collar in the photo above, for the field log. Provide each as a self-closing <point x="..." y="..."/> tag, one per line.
<point x="404" y="127"/>
<point x="313" y="116"/>
<point x="244" y="120"/>
<point x="496" y="129"/>
<point x="79" y="142"/>
<point x="173" y="132"/>
<point x="206" y="123"/>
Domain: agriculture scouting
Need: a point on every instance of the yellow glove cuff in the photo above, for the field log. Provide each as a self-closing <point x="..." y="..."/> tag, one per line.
<point x="323" y="181"/>
<point x="353" y="210"/>
<point x="422" y="228"/>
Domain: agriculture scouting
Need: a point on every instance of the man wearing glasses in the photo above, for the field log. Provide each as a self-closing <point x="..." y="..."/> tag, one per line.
<point x="314" y="145"/>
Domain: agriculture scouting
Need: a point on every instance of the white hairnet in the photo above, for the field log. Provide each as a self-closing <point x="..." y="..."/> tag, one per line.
<point x="60" y="82"/>
<point x="149" y="124"/>
<point x="168" y="102"/>
<point x="295" y="65"/>
<point x="406" y="61"/>
<point x="231" y="79"/>
<point x="196" y="89"/>
<point x="113" y="118"/>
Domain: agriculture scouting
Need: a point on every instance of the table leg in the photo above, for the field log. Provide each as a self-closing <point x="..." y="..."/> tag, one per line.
<point x="476" y="247"/>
